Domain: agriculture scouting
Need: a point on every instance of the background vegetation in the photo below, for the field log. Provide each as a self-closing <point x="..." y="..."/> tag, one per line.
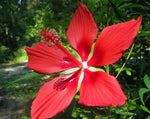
<point x="21" y="22"/>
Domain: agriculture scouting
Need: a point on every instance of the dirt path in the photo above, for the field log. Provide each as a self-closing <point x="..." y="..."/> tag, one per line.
<point x="11" y="107"/>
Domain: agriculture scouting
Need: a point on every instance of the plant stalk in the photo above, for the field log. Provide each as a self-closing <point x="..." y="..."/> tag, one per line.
<point x="125" y="61"/>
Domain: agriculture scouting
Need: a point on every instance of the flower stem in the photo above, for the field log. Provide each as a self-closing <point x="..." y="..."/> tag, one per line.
<point x="107" y="69"/>
<point x="125" y="61"/>
<point x="108" y="111"/>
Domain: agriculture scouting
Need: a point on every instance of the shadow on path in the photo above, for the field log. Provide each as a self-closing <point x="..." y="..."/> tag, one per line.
<point x="11" y="107"/>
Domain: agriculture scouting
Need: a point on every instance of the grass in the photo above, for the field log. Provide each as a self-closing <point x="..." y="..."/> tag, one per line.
<point x="19" y="56"/>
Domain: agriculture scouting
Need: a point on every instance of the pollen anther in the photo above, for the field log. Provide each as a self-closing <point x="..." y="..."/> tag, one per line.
<point x="51" y="37"/>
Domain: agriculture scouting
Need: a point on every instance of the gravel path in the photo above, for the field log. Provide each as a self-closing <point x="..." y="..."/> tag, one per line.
<point x="11" y="107"/>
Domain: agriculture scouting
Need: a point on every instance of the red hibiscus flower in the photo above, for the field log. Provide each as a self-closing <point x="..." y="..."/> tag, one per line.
<point x="97" y="87"/>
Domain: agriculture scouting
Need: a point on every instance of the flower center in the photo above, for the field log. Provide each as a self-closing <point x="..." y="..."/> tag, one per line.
<point x="84" y="65"/>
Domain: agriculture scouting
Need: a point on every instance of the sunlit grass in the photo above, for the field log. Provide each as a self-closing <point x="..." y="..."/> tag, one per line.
<point x="19" y="55"/>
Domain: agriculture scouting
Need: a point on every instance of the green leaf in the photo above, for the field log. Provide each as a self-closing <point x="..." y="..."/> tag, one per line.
<point x="25" y="77"/>
<point x="148" y="117"/>
<point x="144" y="108"/>
<point x="132" y="5"/>
<point x="128" y="72"/>
<point x="91" y="5"/>
<point x="120" y="15"/>
<point x="1" y="7"/>
<point x="33" y="95"/>
<point x="125" y="113"/>
<point x="144" y="33"/>
<point x="141" y="93"/>
<point x="132" y="107"/>
<point x="105" y="118"/>
<point x="147" y="81"/>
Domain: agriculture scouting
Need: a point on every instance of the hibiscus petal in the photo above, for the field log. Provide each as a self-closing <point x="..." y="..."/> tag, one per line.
<point x="49" y="59"/>
<point x="55" y="96"/>
<point x="113" y="41"/>
<point x="82" y="31"/>
<point x="100" y="89"/>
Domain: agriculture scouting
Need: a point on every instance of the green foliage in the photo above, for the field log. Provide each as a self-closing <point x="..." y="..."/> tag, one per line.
<point x="142" y="91"/>
<point x="23" y="78"/>
<point x="147" y="81"/>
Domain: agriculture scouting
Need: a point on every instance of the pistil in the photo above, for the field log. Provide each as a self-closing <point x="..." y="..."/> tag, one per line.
<point x="84" y="65"/>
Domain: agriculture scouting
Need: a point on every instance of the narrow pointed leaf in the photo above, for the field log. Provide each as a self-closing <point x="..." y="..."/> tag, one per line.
<point x="147" y="81"/>
<point x="142" y="91"/>
<point x="145" y="109"/>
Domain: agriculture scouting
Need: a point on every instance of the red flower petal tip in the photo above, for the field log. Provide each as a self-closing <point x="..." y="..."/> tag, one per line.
<point x="100" y="89"/>
<point x="82" y="31"/>
<point x="113" y="41"/>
